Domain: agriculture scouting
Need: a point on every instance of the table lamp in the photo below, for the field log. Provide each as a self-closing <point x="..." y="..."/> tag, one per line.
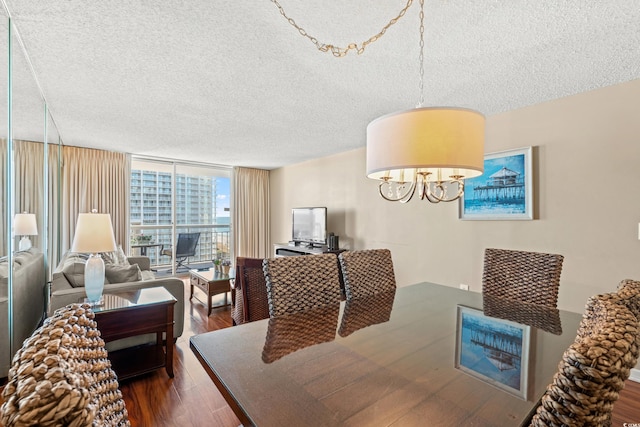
<point x="24" y="224"/>
<point x="94" y="234"/>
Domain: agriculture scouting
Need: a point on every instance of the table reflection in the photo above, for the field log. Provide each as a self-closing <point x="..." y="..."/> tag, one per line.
<point x="537" y="316"/>
<point x="362" y="312"/>
<point x="292" y="332"/>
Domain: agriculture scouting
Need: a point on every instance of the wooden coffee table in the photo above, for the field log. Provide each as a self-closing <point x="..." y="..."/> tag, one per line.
<point x="131" y="313"/>
<point x="211" y="283"/>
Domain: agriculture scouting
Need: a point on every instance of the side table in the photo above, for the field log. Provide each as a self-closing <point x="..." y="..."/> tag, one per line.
<point x="131" y="313"/>
<point x="211" y="283"/>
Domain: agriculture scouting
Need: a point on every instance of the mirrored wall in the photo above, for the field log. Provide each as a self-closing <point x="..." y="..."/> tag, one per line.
<point x="29" y="171"/>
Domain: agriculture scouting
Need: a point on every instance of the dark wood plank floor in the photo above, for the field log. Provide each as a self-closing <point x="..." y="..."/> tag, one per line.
<point x="191" y="398"/>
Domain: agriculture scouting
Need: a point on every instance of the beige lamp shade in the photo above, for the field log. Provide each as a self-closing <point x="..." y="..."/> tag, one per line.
<point x="444" y="141"/>
<point x="94" y="233"/>
<point x="24" y="224"/>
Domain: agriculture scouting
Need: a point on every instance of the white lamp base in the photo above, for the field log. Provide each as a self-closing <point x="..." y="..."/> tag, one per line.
<point x="25" y="244"/>
<point x="94" y="279"/>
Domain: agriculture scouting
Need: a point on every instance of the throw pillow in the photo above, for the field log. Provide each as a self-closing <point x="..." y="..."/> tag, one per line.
<point x="122" y="273"/>
<point x="73" y="270"/>
<point x="116" y="257"/>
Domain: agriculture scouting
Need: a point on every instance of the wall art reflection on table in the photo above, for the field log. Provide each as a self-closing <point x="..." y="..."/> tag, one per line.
<point x="493" y="350"/>
<point x="504" y="191"/>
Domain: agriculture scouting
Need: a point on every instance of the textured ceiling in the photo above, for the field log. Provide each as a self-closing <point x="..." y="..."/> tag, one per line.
<point x="231" y="82"/>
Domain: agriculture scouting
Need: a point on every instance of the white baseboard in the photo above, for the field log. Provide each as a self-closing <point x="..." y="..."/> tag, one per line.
<point x="635" y="375"/>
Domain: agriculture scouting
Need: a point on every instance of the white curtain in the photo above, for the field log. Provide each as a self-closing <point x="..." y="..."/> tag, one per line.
<point x="251" y="217"/>
<point x="95" y="179"/>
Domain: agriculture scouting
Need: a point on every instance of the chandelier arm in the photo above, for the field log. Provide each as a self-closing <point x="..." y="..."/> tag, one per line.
<point x="404" y="198"/>
<point x="337" y="51"/>
<point x="441" y="194"/>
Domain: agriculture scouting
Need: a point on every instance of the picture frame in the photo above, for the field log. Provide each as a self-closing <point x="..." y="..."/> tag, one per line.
<point x="504" y="191"/>
<point x="493" y="350"/>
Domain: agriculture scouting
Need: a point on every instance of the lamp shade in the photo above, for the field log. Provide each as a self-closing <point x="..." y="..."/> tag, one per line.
<point x="24" y="224"/>
<point x="93" y="234"/>
<point x="444" y="141"/>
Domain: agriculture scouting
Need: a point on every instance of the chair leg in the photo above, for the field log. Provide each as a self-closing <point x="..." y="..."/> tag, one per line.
<point x="181" y="263"/>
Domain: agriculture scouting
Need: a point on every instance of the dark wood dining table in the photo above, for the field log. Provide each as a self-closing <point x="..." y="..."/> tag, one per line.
<point x="393" y="360"/>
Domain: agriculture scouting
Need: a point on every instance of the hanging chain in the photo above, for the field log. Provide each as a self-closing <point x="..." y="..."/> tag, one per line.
<point x="337" y="51"/>
<point x="421" y="56"/>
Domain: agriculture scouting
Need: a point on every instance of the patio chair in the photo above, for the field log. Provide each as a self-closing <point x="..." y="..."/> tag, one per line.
<point x="185" y="248"/>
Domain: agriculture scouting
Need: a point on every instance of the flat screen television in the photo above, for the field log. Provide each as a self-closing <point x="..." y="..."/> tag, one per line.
<point x="309" y="225"/>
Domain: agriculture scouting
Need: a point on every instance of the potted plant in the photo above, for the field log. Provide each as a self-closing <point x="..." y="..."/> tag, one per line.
<point x="226" y="265"/>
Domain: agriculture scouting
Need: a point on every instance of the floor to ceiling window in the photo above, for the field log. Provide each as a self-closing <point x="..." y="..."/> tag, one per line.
<point x="170" y="200"/>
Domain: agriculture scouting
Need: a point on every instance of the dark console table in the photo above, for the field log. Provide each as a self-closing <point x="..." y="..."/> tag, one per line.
<point x="284" y="249"/>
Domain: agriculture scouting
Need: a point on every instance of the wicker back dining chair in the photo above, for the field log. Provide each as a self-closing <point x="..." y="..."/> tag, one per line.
<point x="250" y="301"/>
<point x="593" y="369"/>
<point x="62" y="376"/>
<point x="629" y="292"/>
<point x="367" y="272"/>
<point x="298" y="283"/>
<point x="531" y="277"/>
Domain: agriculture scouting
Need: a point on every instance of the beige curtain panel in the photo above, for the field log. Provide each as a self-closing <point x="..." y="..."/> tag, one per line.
<point x="29" y="178"/>
<point x="95" y="179"/>
<point x="55" y="192"/>
<point x="251" y="219"/>
<point x="4" y="198"/>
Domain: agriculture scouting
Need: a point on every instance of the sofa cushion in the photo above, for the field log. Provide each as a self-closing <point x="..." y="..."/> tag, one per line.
<point x="115" y="273"/>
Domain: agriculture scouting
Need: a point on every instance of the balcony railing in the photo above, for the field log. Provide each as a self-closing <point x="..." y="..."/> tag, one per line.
<point x="214" y="242"/>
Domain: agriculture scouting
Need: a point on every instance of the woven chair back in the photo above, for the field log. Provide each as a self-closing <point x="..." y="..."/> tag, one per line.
<point x="530" y="277"/>
<point x="593" y="369"/>
<point x="367" y="272"/>
<point x="299" y="283"/>
<point x="251" y="301"/>
<point x="62" y="376"/>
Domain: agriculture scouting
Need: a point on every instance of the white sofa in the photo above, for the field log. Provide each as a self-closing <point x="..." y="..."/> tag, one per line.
<point x="28" y="301"/>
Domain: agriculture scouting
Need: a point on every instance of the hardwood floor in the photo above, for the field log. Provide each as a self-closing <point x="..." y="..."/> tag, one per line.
<point x="191" y="398"/>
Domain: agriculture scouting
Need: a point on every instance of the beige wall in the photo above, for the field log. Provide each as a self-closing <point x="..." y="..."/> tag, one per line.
<point x="587" y="166"/>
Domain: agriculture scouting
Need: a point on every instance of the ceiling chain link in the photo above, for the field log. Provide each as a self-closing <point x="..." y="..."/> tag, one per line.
<point x="337" y="51"/>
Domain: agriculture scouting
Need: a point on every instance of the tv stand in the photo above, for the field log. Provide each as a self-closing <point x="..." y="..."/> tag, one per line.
<point x="284" y="249"/>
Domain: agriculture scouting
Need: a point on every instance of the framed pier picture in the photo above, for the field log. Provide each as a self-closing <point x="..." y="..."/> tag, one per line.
<point x="504" y="191"/>
<point x="493" y="350"/>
